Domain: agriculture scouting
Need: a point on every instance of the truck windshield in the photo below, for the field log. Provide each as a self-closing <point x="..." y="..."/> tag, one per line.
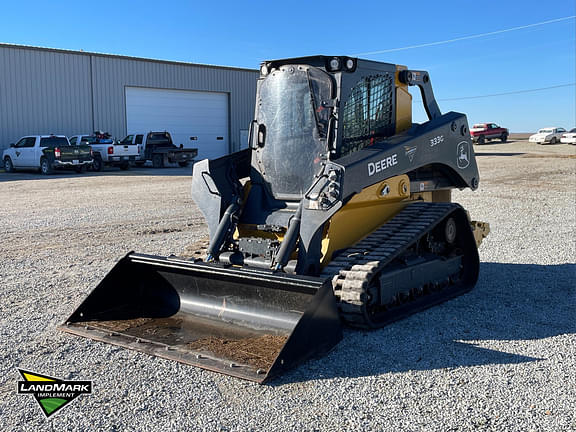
<point x="159" y="138"/>
<point x="294" y="107"/>
<point x="53" y="142"/>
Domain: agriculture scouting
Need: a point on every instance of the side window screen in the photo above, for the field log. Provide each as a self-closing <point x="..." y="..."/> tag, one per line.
<point x="30" y="142"/>
<point x="139" y="139"/>
<point x="368" y="113"/>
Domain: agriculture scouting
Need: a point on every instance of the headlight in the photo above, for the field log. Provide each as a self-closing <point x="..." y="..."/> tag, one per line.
<point x="264" y="70"/>
<point x="334" y="64"/>
<point x="350" y="65"/>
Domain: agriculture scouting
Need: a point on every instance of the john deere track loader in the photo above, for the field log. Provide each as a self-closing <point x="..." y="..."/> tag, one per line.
<point x="339" y="212"/>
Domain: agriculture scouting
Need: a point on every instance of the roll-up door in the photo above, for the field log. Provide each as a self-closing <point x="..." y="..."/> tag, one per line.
<point x="193" y="118"/>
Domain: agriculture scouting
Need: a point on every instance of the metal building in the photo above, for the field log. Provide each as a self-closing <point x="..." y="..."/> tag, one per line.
<point x="64" y="92"/>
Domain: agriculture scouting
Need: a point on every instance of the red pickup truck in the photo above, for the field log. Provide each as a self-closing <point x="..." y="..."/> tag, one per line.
<point x="483" y="132"/>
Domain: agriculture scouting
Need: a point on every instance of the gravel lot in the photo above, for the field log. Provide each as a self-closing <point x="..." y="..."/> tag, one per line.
<point x="502" y="357"/>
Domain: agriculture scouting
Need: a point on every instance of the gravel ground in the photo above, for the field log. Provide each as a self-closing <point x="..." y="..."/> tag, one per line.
<point x="502" y="357"/>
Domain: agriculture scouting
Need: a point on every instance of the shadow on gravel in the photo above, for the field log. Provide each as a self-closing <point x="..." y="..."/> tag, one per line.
<point x="511" y="302"/>
<point x="62" y="174"/>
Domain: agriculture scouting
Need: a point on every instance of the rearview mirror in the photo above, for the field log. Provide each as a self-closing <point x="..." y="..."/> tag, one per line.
<point x="12" y="145"/>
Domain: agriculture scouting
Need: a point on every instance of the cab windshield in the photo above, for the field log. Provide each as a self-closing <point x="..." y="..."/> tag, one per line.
<point x="294" y="109"/>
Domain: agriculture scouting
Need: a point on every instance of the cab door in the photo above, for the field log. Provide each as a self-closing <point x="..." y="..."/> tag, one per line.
<point x="138" y="140"/>
<point x="17" y="153"/>
<point x="24" y="152"/>
<point x="493" y="130"/>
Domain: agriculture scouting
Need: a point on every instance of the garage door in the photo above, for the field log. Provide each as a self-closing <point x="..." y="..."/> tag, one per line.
<point x="202" y="116"/>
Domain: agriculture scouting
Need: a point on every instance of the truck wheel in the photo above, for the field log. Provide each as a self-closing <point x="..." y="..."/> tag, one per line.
<point x="184" y="164"/>
<point x="125" y="166"/>
<point x="8" y="165"/>
<point x="504" y="138"/>
<point x="45" y="167"/>
<point x="97" y="164"/>
<point x="553" y="140"/>
<point x="157" y="161"/>
<point x="481" y="140"/>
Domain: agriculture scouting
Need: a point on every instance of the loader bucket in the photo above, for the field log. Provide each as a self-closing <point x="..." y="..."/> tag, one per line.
<point x="248" y="323"/>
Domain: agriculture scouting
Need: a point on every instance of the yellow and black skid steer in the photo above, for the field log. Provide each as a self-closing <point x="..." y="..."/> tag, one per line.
<point x="339" y="212"/>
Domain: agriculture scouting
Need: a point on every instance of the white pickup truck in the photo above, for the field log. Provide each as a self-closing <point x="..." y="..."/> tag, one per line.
<point x="46" y="152"/>
<point x="107" y="151"/>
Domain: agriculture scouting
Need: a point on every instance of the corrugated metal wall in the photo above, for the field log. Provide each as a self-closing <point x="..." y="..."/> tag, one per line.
<point x="61" y="92"/>
<point x="42" y="92"/>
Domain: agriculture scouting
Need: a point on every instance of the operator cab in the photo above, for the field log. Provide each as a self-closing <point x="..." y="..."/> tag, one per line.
<point x="314" y="109"/>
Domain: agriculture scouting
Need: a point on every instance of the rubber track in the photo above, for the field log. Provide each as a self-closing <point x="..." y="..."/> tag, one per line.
<point x="354" y="268"/>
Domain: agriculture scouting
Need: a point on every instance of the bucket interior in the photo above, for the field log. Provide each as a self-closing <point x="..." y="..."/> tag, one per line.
<point x="230" y="320"/>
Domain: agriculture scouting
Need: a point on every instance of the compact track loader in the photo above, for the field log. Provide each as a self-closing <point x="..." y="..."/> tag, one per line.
<point x="340" y="211"/>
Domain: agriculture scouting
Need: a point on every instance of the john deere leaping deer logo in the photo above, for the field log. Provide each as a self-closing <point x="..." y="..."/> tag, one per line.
<point x="463" y="151"/>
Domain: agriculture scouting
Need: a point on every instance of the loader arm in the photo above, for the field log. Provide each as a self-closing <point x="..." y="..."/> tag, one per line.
<point x="217" y="189"/>
<point x="407" y="153"/>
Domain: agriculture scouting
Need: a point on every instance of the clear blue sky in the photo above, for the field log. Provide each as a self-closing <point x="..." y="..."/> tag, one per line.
<point x="236" y="33"/>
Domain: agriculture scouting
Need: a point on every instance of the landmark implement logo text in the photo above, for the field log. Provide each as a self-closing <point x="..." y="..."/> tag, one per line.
<point x="52" y="394"/>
